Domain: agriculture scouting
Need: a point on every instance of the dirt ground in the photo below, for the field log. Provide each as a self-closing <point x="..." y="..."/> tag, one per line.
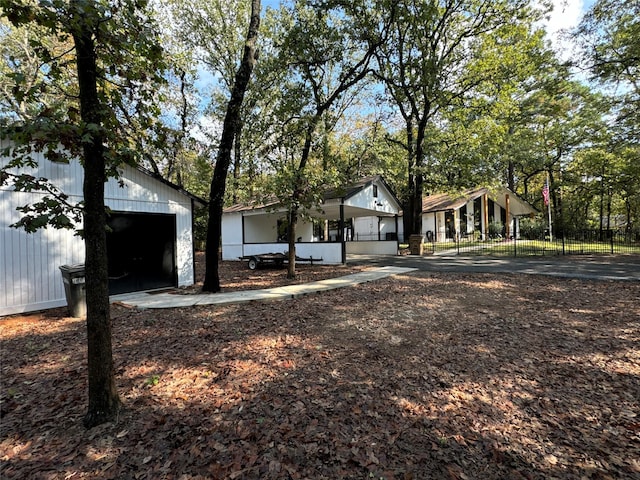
<point x="418" y="376"/>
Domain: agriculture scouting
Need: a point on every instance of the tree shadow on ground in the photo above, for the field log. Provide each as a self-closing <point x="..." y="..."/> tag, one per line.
<point x="419" y="376"/>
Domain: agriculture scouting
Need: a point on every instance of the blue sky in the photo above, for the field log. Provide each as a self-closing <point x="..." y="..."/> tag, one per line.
<point x="566" y="15"/>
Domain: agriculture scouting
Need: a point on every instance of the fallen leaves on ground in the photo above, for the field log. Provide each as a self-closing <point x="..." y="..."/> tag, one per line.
<point x="418" y="376"/>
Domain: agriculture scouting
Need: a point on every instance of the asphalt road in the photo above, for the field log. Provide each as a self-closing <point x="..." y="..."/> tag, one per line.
<point x="606" y="267"/>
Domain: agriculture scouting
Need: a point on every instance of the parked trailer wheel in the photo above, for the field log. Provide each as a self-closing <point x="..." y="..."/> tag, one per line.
<point x="253" y="263"/>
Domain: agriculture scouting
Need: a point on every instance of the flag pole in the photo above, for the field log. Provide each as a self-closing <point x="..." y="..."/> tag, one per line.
<point x="549" y="209"/>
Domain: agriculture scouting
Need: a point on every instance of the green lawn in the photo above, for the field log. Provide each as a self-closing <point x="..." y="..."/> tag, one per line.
<point x="534" y="247"/>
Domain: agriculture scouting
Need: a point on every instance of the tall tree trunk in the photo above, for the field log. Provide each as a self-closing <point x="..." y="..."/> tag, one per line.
<point x="223" y="160"/>
<point x="511" y="183"/>
<point x="298" y="192"/>
<point x="418" y="173"/>
<point x="408" y="206"/>
<point x="103" y="396"/>
<point x="184" y="125"/>
<point x="237" y="160"/>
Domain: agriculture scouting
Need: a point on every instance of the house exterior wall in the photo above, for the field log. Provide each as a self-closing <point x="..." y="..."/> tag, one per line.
<point x="261" y="228"/>
<point x="232" y="236"/>
<point x="331" y="253"/>
<point x="388" y="225"/>
<point x="428" y="224"/>
<point x="435" y="222"/>
<point x="497" y="209"/>
<point x="441" y="227"/>
<point x="365" y="228"/>
<point x="304" y="231"/>
<point x="29" y="275"/>
<point x="264" y="228"/>
<point x="471" y="215"/>
<point x="480" y="211"/>
<point x="373" y="228"/>
<point x="373" y="247"/>
<point x="365" y="198"/>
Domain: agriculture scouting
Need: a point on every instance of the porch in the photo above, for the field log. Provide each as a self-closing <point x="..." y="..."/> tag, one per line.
<point x="326" y="232"/>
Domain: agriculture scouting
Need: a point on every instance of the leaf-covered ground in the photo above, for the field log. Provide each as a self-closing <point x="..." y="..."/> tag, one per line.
<point x="419" y="376"/>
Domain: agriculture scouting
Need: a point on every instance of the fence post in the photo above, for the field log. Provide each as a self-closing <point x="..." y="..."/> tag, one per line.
<point x="611" y="238"/>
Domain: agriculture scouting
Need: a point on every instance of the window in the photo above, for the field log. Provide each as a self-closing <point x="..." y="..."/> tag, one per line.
<point x="375" y="191"/>
<point x="283" y="230"/>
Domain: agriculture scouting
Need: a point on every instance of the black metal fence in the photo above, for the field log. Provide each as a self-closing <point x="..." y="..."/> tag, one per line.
<point x="582" y="242"/>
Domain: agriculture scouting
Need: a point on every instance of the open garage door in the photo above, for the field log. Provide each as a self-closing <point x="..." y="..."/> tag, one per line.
<point x="141" y="249"/>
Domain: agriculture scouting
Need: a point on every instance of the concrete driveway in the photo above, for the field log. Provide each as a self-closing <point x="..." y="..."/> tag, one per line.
<point x="605" y="267"/>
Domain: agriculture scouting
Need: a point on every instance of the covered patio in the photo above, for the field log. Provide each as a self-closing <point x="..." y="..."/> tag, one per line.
<point x="326" y="232"/>
<point x="481" y="213"/>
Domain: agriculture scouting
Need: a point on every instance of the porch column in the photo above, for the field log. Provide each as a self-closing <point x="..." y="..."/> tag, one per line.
<point x="395" y="217"/>
<point x="508" y="209"/>
<point x="456" y="225"/>
<point x="244" y="241"/>
<point x="341" y="232"/>
<point x="485" y="216"/>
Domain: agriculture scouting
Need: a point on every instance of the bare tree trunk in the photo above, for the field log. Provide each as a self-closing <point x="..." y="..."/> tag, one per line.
<point x="223" y="160"/>
<point x="104" y="402"/>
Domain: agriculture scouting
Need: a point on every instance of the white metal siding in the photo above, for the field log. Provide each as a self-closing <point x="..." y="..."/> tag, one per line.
<point x="29" y="275"/>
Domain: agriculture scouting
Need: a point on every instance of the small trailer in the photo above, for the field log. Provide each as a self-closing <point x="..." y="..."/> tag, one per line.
<point x="277" y="259"/>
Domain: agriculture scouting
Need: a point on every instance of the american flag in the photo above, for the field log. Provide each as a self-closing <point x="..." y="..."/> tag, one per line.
<point x="545" y="193"/>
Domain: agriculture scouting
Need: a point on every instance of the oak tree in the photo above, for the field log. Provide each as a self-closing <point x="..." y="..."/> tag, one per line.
<point x="110" y="68"/>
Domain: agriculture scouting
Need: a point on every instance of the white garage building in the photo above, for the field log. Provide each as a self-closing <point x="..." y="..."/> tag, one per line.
<point x="150" y="242"/>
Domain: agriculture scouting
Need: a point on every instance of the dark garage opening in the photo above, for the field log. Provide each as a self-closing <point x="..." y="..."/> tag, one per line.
<point x="141" y="252"/>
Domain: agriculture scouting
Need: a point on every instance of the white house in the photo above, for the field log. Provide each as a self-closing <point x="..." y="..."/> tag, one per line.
<point x="255" y="229"/>
<point x="479" y="212"/>
<point x="150" y="242"/>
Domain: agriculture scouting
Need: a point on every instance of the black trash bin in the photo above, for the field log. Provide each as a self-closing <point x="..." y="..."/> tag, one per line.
<point x="74" y="289"/>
